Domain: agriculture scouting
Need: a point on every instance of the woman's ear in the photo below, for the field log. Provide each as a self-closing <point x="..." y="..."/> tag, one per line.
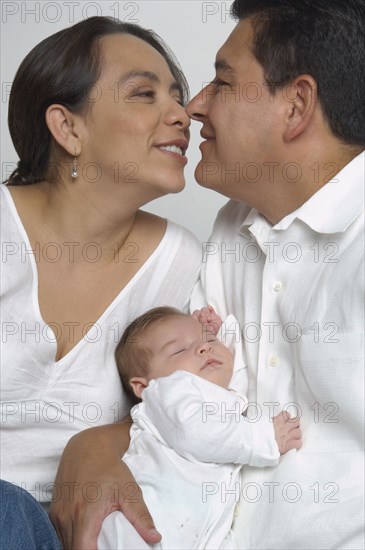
<point x="63" y="126"/>
<point x="302" y="98"/>
<point x="138" y="385"/>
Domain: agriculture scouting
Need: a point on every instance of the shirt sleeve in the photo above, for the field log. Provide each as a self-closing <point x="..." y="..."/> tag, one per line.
<point x="204" y="422"/>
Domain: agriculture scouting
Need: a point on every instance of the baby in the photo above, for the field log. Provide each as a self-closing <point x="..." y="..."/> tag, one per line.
<point x="189" y="436"/>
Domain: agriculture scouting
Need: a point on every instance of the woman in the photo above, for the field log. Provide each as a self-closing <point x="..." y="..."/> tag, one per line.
<point x="97" y="120"/>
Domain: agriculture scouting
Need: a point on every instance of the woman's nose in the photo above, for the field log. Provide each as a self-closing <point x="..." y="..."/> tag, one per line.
<point x="177" y="115"/>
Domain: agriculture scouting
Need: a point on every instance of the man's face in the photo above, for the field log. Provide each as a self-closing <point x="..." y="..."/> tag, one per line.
<point x="182" y="343"/>
<point x="241" y="122"/>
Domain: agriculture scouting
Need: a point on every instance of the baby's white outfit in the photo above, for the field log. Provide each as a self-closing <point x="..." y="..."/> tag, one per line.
<point x="189" y="440"/>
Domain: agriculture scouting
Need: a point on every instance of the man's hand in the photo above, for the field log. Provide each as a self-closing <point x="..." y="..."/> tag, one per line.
<point x="92" y="482"/>
<point x="288" y="435"/>
<point x="208" y="317"/>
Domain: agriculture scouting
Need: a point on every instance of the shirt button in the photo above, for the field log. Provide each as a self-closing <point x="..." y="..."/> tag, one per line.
<point x="273" y="361"/>
<point x="278" y="286"/>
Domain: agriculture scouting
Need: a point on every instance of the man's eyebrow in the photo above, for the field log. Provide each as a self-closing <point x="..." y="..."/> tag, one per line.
<point x="145" y="74"/>
<point x="222" y="65"/>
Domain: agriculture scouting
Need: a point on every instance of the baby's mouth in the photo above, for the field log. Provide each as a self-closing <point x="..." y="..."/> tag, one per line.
<point x="210" y="363"/>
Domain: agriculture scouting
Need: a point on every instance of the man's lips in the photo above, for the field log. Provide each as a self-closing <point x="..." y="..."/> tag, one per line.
<point x="206" y="136"/>
<point x="207" y="139"/>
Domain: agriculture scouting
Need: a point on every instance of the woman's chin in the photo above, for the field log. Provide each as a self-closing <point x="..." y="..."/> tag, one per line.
<point x="172" y="185"/>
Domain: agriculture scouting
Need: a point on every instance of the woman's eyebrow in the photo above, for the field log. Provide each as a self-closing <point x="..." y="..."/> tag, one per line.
<point x="145" y="74"/>
<point x="138" y="74"/>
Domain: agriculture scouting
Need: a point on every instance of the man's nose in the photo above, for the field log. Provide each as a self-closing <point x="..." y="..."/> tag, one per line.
<point x="197" y="107"/>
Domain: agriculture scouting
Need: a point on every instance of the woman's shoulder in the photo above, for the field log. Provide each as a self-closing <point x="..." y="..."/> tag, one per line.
<point x="18" y="202"/>
<point x="184" y="233"/>
<point x="178" y="255"/>
<point x="9" y="220"/>
<point x="170" y="232"/>
<point x="4" y="196"/>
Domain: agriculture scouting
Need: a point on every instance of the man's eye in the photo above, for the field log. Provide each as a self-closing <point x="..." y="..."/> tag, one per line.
<point x="219" y="83"/>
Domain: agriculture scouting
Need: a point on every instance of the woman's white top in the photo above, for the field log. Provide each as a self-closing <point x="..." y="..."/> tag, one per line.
<point x="45" y="402"/>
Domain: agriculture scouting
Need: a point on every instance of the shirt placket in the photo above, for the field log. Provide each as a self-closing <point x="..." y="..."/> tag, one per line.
<point x="274" y="372"/>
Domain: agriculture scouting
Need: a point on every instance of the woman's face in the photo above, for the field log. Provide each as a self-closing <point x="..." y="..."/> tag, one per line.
<point x="136" y="131"/>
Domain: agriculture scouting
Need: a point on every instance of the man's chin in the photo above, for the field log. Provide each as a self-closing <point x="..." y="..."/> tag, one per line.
<point x="207" y="174"/>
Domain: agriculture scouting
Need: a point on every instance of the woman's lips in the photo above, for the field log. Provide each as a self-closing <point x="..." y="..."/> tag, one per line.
<point x="175" y="149"/>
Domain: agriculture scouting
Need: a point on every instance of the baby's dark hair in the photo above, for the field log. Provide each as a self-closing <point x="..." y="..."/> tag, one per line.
<point x="131" y="355"/>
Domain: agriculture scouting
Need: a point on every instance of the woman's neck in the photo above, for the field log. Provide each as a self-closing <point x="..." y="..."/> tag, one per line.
<point x="76" y="216"/>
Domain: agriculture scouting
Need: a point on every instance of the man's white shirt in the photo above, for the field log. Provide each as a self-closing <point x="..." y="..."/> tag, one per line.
<point x="297" y="289"/>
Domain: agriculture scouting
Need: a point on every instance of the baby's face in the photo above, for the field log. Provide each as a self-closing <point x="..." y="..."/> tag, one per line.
<point x="182" y="343"/>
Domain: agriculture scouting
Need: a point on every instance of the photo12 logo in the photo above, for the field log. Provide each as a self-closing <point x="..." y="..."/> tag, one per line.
<point x="215" y="10"/>
<point x="52" y="12"/>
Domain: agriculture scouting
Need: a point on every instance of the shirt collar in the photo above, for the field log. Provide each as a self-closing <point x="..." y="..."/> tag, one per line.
<point x="250" y="219"/>
<point x="333" y="207"/>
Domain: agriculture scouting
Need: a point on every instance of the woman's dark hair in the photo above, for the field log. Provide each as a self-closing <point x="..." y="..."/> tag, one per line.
<point x="323" y="38"/>
<point x="63" y="69"/>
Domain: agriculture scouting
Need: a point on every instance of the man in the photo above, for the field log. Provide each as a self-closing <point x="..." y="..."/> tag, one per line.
<point x="284" y="136"/>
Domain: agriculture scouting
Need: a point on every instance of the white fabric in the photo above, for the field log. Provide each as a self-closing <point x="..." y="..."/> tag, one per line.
<point x="43" y="402"/>
<point x="188" y="441"/>
<point x="297" y="290"/>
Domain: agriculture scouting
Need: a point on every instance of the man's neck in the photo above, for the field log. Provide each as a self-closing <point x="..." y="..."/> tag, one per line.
<point x="295" y="182"/>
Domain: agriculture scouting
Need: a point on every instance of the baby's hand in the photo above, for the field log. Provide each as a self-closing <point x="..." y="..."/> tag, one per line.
<point x="209" y="318"/>
<point x="288" y="435"/>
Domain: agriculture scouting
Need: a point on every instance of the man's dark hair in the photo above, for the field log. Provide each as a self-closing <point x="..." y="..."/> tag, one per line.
<point x="323" y="38"/>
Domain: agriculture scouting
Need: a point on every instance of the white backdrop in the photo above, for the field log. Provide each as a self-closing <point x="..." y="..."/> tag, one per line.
<point x="193" y="29"/>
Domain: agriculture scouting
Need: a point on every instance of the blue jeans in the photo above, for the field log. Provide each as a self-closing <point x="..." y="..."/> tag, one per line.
<point x="24" y="525"/>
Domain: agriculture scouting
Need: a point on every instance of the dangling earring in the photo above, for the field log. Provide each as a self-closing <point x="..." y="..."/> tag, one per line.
<point x="74" y="172"/>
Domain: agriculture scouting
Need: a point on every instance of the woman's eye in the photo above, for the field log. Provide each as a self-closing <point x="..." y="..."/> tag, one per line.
<point x="146" y="93"/>
<point x="178" y="98"/>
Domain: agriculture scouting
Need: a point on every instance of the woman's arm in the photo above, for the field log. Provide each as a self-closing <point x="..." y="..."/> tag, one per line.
<point x="92" y="481"/>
